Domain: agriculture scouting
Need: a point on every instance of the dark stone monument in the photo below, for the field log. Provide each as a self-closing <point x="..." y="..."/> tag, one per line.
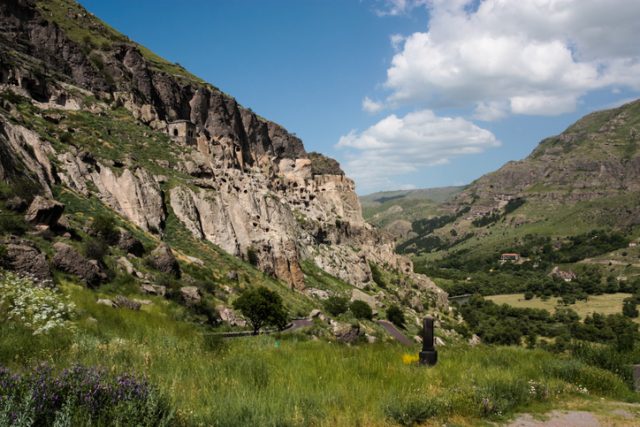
<point x="636" y="377"/>
<point x="428" y="355"/>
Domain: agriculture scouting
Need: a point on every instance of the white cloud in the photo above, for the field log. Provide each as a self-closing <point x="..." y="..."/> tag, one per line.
<point x="524" y="57"/>
<point x="396" y="41"/>
<point x="397" y="146"/>
<point x="371" y="106"/>
<point x="399" y="7"/>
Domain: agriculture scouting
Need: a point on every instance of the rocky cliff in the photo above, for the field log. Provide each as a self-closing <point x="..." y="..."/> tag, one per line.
<point x="87" y="110"/>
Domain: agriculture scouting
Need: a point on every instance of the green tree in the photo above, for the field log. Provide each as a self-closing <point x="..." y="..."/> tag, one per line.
<point x="630" y="308"/>
<point x="361" y="310"/>
<point x="396" y="316"/>
<point x="336" y="305"/>
<point x="262" y="307"/>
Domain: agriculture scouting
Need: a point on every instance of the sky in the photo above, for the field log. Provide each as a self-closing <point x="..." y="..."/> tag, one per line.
<point x="404" y="93"/>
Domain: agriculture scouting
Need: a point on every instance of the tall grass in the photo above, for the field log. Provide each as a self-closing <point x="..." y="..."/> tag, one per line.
<point x="289" y="380"/>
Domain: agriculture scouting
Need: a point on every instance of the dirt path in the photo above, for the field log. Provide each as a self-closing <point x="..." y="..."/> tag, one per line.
<point x="609" y="414"/>
<point x="395" y="332"/>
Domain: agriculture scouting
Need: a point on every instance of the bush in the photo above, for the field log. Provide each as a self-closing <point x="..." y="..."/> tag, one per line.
<point x="629" y="307"/>
<point x="104" y="227"/>
<point x="396" y="316"/>
<point x="336" y="305"/>
<point x="94" y="249"/>
<point x="11" y="224"/>
<point x="80" y="396"/>
<point x="361" y="310"/>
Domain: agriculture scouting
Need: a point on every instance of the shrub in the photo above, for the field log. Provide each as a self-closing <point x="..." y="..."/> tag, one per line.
<point x="336" y="305"/>
<point x="94" y="249"/>
<point x="11" y="224"/>
<point x="376" y="276"/>
<point x="104" y="227"/>
<point x="396" y="316"/>
<point x="80" y="396"/>
<point x="361" y="310"/>
<point x="629" y="307"/>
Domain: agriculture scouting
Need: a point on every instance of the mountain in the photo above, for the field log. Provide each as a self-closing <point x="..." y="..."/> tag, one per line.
<point x="395" y="211"/>
<point x="107" y="128"/>
<point x="585" y="179"/>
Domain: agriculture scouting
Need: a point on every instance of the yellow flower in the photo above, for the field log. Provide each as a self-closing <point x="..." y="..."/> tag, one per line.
<point x="409" y="359"/>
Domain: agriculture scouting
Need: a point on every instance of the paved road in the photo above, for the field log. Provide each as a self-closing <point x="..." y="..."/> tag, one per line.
<point x="298" y="324"/>
<point x="395" y="333"/>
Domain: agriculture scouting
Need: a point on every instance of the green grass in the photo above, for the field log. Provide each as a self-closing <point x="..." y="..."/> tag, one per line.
<point x="603" y="304"/>
<point x="291" y="381"/>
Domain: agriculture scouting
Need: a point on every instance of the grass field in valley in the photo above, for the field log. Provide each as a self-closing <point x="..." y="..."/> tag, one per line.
<point x="603" y="304"/>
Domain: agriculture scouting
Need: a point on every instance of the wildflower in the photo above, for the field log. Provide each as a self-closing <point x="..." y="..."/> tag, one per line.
<point x="409" y="359"/>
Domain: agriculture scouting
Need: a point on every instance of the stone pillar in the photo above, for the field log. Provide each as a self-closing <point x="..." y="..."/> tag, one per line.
<point x="428" y="355"/>
<point x="636" y="377"/>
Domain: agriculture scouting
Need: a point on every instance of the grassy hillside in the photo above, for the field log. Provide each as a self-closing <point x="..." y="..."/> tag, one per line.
<point x="288" y="380"/>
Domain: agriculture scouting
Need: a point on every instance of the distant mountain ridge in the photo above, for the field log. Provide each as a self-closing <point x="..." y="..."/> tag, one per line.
<point x="587" y="177"/>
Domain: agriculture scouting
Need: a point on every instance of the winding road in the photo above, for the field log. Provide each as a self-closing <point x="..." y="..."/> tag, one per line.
<point x="395" y="333"/>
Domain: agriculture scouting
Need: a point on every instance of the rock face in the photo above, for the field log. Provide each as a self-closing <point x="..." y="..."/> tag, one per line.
<point x="23" y="257"/>
<point x="68" y="260"/>
<point x="239" y="181"/>
<point x="163" y="260"/>
<point x="44" y="211"/>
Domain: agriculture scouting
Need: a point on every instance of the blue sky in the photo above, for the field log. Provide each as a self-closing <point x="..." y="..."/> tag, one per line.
<point x="453" y="88"/>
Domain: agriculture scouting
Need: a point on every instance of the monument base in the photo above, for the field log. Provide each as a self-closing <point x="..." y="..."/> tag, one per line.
<point x="428" y="357"/>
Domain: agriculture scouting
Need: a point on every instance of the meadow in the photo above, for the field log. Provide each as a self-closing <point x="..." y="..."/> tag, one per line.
<point x="292" y="380"/>
<point x="603" y="304"/>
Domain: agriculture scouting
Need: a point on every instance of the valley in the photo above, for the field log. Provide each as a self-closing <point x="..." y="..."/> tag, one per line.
<point x="169" y="257"/>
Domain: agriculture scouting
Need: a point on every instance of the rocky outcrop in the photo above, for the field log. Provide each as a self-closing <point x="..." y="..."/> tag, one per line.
<point x="163" y="260"/>
<point x="24" y="257"/>
<point x="68" y="260"/>
<point x="44" y="211"/>
<point x="241" y="182"/>
<point x="190" y="294"/>
<point x="128" y="243"/>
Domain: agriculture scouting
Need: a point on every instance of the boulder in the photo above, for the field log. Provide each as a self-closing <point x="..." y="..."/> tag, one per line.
<point x="315" y="313"/>
<point x="163" y="260"/>
<point x="190" y="294"/>
<point x="357" y="294"/>
<point x="232" y="275"/>
<point x="229" y="316"/>
<point x="107" y="302"/>
<point x="24" y="257"/>
<point x="346" y="333"/>
<point x="44" y="211"/>
<point x="317" y="293"/>
<point x="68" y="260"/>
<point x="474" y="340"/>
<point x="124" y="302"/>
<point x="126" y="265"/>
<point x="150" y="289"/>
<point x="128" y="243"/>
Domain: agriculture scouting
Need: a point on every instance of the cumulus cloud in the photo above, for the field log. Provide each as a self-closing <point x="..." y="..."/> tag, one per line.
<point x="523" y="57"/>
<point x="397" y="146"/>
<point x="371" y="106"/>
